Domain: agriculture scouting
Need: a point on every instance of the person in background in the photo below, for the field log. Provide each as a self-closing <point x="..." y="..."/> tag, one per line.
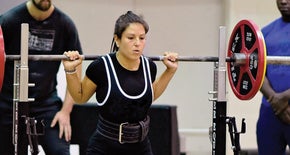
<point x="51" y="32"/>
<point x="273" y="125"/>
<point x="125" y="84"/>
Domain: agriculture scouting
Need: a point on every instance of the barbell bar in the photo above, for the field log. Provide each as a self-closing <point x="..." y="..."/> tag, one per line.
<point x="246" y="57"/>
<point x="93" y="57"/>
<point x="278" y="60"/>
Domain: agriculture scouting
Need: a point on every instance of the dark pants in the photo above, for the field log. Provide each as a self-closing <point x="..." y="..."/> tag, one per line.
<point x="50" y="142"/>
<point x="272" y="135"/>
<point x="99" y="145"/>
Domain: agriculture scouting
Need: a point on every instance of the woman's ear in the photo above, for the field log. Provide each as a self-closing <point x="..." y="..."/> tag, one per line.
<point x="116" y="39"/>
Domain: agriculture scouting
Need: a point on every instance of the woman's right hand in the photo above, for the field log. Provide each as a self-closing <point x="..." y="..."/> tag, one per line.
<point x="73" y="60"/>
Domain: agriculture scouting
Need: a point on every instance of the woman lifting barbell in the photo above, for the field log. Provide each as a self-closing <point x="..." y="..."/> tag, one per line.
<point x="125" y="86"/>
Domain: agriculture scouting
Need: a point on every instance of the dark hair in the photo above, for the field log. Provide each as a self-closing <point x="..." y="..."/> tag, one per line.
<point x="123" y="22"/>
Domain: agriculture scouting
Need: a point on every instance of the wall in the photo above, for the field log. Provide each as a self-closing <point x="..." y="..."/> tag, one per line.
<point x="190" y="27"/>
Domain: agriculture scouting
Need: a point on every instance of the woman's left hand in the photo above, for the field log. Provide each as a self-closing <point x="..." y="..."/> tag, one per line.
<point x="171" y="60"/>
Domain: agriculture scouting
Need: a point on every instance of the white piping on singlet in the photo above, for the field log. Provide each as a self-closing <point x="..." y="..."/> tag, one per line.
<point x="109" y="84"/>
<point x="119" y="86"/>
<point x="150" y="80"/>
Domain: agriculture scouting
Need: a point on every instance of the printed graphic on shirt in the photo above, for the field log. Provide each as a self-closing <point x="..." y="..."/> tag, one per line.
<point x="41" y="40"/>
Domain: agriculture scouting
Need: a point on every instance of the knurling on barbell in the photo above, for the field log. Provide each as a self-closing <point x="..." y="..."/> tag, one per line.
<point x="246" y="57"/>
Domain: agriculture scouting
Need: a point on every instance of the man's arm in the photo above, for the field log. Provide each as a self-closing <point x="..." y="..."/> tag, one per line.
<point x="63" y="116"/>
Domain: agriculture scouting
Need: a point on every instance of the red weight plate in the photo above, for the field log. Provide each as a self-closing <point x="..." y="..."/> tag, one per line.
<point x="246" y="80"/>
<point x="2" y="58"/>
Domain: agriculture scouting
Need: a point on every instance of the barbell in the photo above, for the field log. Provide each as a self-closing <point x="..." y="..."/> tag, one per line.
<point x="246" y="57"/>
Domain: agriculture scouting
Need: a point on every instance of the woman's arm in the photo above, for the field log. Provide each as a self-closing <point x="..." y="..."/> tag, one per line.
<point x="81" y="91"/>
<point x="161" y="83"/>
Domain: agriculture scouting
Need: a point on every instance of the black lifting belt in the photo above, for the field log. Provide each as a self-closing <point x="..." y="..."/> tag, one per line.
<point x="124" y="132"/>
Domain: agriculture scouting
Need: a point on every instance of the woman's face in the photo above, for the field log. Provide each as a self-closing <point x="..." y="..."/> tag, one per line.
<point x="132" y="41"/>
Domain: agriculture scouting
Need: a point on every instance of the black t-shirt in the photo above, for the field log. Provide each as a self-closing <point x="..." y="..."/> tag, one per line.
<point x="52" y="36"/>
